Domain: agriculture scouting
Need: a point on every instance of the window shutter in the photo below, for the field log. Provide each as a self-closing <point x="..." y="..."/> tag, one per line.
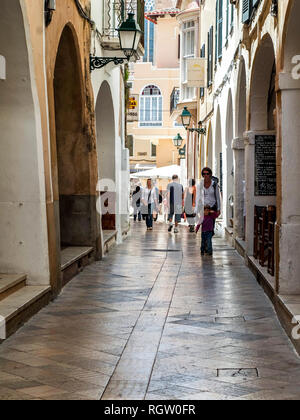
<point x="247" y="10"/>
<point x="216" y="42"/>
<point x="227" y="19"/>
<point x="232" y="16"/>
<point x="210" y="44"/>
<point x="179" y="47"/>
<point x="220" y="29"/>
<point x="202" y="55"/>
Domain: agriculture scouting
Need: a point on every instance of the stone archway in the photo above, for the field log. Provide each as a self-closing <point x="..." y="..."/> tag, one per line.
<point x="238" y="147"/>
<point x="289" y="84"/>
<point x="76" y="204"/>
<point x="105" y="124"/>
<point x="209" y="148"/>
<point x="23" y="237"/>
<point x="229" y="190"/>
<point x="218" y="155"/>
<point x="260" y="145"/>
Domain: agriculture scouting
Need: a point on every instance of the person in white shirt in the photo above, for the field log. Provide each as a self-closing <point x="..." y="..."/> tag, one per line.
<point x="208" y="194"/>
<point x="175" y="202"/>
<point x="149" y="200"/>
<point x="212" y="196"/>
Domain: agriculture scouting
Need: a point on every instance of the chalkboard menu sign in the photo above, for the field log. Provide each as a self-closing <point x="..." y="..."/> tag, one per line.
<point x="265" y="165"/>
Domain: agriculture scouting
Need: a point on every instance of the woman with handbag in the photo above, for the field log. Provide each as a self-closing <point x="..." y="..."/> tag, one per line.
<point x="150" y="203"/>
<point x="190" y="204"/>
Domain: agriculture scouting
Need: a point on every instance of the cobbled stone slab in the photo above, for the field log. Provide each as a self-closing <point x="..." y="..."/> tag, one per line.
<point x="154" y="320"/>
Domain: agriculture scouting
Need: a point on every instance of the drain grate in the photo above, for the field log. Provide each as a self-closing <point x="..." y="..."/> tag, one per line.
<point x="162" y="250"/>
<point x="238" y="373"/>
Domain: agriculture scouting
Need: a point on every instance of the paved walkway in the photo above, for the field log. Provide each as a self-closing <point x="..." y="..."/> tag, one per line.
<point x="154" y="320"/>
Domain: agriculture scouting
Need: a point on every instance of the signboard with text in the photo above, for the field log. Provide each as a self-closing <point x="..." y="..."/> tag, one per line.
<point x="265" y="165"/>
<point x="196" y="72"/>
<point x="133" y="108"/>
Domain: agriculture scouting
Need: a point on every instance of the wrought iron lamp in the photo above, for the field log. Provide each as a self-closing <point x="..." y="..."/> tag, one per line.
<point x="177" y="141"/>
<point x="50" y="7"/>
<point x="129" y="35"/>
<point x="186" y="117"/>
<point x="274" y="8"/>
<point x="182" y="152"/>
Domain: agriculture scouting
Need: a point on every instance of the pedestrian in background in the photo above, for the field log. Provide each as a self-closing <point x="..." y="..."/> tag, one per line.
<point x="150" y="203"/>
<point x="190" y="204"/>
<point x="136" y="204"/>
<point x="175" y="203"/>
<point x="207" y="230"/>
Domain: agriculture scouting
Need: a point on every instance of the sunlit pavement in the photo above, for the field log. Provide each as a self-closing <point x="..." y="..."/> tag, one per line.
<point x="154" y="320"/>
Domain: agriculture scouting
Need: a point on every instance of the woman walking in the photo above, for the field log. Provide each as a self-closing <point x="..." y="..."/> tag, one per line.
<point x="190" y="204"/>
<point x="212" y="196"/>
<point x="136" y="204"/>
<point x="149" y="199"/>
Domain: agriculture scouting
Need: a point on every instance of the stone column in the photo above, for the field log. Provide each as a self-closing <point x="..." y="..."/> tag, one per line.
<point x="289" y="244"/>
<point x="238" y="147"/>
<point x="249" y="142"/>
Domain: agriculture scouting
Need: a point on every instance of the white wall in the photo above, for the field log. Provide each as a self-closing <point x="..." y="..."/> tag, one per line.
<point x="23" y="221"/>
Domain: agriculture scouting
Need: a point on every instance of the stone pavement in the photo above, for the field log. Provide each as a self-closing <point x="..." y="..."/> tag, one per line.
<point x="154" y="320"/>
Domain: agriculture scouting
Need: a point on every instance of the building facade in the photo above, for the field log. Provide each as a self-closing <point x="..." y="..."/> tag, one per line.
<point x="156" y="81"/>
<point x="62" y="147"/>
<point x="250" y="106"/>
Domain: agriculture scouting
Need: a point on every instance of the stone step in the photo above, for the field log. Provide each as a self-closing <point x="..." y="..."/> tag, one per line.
<point x="73" y="260"/>
<point x="20" y="306"/>
<point x="11" y="283"/>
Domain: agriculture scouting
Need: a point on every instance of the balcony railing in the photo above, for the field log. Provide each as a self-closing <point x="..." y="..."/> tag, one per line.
<point x="264" y="236"/>
<point x="116" y="11"/>
<point x="174" y="99"/>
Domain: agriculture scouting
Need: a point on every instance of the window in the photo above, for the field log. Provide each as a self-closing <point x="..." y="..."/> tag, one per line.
<point x="219" y="29"/>
<point x="149" y="34"/>
<point x="232" y="16"/>
<point x="153" y="150"/>
<point x="210" y="46"/>
<point x="202" y="55"/>
<point x="129" y="144"/>
<point x="151" y="107"/>
<point x="188" y="51"/>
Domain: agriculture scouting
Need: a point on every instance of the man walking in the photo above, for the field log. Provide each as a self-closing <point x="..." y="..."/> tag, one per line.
<point x="175" y="197"/>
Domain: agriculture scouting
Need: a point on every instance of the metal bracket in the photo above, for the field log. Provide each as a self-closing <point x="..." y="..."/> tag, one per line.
<point x="198" y="130"/>
<point x="99" y="62"/>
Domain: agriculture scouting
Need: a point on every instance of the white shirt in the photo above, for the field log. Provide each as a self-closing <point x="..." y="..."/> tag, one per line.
<point x="145" y="196"/>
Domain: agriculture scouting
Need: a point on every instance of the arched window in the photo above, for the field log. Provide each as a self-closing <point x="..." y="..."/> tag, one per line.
<point x="151" y="107"/>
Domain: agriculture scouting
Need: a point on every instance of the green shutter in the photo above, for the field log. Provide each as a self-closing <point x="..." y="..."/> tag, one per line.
<point x="247" y="10"/>
<point x="210" y="46"/>
<point x="227" y="19"/>
<point x="220" y="29"/>
<point x="217" y="18"/>
<point x="202" y="55"/>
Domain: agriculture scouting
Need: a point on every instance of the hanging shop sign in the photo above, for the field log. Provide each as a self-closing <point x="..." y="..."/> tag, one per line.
<point x="265" y="165"/>
<point x="196" y="72"/>
<point x="133" y="108"/>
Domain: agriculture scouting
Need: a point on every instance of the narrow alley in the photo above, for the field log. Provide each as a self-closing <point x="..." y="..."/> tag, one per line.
<point x="154" y="320"/>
